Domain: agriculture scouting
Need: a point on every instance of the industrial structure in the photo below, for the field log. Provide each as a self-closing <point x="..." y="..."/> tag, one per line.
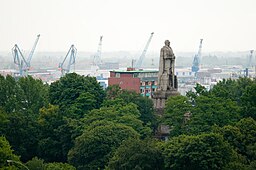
<point x="250" y="58"/>
<point x="19" y="59"/>
<point x="98" y="63"/>
<point x="97" y="56"/>
<point x="71" y="57"/>
<point x="197" y="58"/>
<point x="142" y="56"/>
<point x="249" y="64"/>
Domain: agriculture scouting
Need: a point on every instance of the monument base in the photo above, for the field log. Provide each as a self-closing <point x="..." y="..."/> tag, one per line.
<point x="159" y="98"/>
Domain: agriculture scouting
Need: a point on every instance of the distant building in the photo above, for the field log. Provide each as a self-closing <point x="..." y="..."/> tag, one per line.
<point x="109" y="65"/>
<point x="143" y="82"/>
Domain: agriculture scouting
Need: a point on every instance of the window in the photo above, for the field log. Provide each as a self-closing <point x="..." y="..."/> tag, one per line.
<point x="117" y="75"/>
<point x="135" y="75"/>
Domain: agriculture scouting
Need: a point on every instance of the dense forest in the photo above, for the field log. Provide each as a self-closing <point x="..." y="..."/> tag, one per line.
<point x="74" y="124"/>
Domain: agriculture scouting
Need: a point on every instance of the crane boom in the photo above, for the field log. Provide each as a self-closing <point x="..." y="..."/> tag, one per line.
<point x="197" y="58"/>
<point x="139" y="62"/>
<point x="250" y="63"/>
<point x="32" y="50"/>
<point x="97" y="57"/>
<point x="72" y="58"/>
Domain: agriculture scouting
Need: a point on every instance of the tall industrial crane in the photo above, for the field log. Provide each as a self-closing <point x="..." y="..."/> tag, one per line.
<point x="196" y="61"/>
<point x="97" y="56"/>
<point x="250" y="62"/>
<point x="65" y="65"/>
<point x="21" y="61"/>
<point x="142" y="56"/>
<point x="32" y="51"/>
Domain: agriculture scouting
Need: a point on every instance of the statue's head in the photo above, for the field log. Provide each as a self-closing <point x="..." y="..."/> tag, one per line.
<point x="167" y="42"/>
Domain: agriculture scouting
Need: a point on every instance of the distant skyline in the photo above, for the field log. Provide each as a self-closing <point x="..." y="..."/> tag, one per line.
<point x="225" y="25"/>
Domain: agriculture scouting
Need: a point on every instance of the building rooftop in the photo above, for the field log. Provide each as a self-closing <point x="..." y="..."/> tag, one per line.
<point x="134" y="71"/>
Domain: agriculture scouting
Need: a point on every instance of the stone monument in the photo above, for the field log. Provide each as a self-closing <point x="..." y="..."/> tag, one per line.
<point x="167" y="81"/>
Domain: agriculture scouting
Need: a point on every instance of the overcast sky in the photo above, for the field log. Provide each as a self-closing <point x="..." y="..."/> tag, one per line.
<point x="225" y="25"/>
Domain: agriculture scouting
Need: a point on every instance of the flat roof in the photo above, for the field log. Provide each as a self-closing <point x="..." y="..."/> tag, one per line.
<point x="135" y="71"/>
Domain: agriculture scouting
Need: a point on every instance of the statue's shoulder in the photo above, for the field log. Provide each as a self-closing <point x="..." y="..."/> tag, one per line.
<point x="164" y="48"/>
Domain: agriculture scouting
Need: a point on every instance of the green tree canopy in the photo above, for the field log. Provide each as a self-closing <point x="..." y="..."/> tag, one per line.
<point x="209" y="111"/>
<point x="125" y="114"/>
<point x="241" y="136"/>
<point x="174" y="114"/>
<point x="248" y="101"/>
<point x="22" y="133"/>
<point x="76" y="94"/>
<point x="36" y="164"/>
<point x="232" y="89"/>
<point x="95" y="147"/>
<point x="205" y="151"/>
<point x="21" y="101"/>
<point x="59" y="166"/>
<point x="137" y="154"/>
<point x="56" y="135"/>
<point x="6" y="153"/>
<point x="145" y="105"/>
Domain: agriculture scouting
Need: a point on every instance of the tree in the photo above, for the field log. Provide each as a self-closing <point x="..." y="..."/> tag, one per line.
<point x="22" y="133"/>
<point x="22" y="100"/>
<point x="126" y="114"/>
<point x="6" y="153"/>
<point x="55" y="137"/>
<point x="59" y="166"/>
<point x="137" y="154"/>
<point x="248" y="101"/>
<point x="34" y="94"/>
<point x="232" y="89"/>
<point x="247" y="147"/>
<point x="241" y="136"/>
<point x="3" y="121"/>
<point x="9" y="94"/>
<point x="75" y="94"/>
<point x="205" y="151"/>
<point x="209" y="111"/>
<point x="145" y="105"/>
<point x="199" y="90"/>
<point x="113" y="91"/>
<point x="176" y="108"/>
<point x="36" y="164"/>
<point x="95" y="147"/>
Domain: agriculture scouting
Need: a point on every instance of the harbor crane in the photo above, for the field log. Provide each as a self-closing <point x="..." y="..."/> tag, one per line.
<point x="65" y="65"/>
<point x="32" y="51"/>
<point x="97" y="56"/>
<point x="250" y="62"/>
<point x="21" y="61"/>
<point x="142" y="56"/>
<point x="197" y="58"/>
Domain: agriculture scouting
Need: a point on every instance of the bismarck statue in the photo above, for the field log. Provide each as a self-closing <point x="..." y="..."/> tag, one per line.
<point x="167" y="81"/>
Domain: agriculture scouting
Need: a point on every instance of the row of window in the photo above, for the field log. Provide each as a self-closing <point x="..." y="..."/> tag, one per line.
<point x="183" y="73"/>
<point x="147" y="90"/>
<point x="148" y="83"/>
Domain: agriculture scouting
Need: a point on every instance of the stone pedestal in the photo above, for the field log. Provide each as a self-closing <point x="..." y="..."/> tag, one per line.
<point x="159" y="98"/>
